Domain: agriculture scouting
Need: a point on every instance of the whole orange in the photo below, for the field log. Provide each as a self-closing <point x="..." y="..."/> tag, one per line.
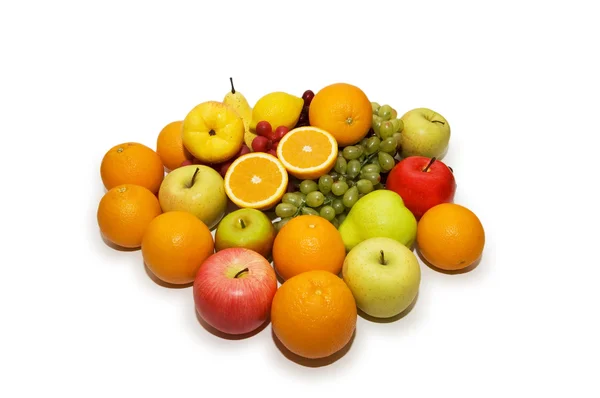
<point x="175" y="245"/>
<point x="450" y="236"/>
<point x="307" y="243"/>
<point x="169" y="146"/>
<point x="314" y="314"/>
<point x="124" y="213"/>
<point x="344" y="111"/>
<point x="132" y="163"/>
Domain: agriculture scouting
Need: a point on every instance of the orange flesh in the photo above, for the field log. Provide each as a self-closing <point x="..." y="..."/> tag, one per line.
<point x="306" y="149"/>
<point x="255" y="180"/>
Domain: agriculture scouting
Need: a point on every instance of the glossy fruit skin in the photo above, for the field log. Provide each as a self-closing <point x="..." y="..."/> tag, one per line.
<point x="235" y="305"/>
<point x="169" y="146"/>
<point x="422" y="190"/>
<point x="314" y="314"/>
<point x="174" y="246"/>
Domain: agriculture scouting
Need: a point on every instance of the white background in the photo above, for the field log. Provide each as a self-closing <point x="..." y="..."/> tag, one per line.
<point x="518" y="82"/>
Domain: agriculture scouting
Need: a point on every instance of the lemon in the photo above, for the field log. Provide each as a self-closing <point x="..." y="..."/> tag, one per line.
<point x="277" y="108"/>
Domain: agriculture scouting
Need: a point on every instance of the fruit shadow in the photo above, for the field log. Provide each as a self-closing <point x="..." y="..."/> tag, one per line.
<point x="117" y="247"/>
<point x="162" y="283"/>
<point x="226" y="336"/>
<point x="312" y="363"/>
<point x="449" y="272"/>
<point x="390" y="319"/>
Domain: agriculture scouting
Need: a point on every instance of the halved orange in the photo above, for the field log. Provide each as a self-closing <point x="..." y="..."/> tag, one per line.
<point x="256" y="180"/>
<point x="307" y="152"/>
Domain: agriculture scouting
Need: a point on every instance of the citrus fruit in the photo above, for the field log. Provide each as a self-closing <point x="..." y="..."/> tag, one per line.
<point x="307" y="243"/>
<point x="450" y="236"/>
<point x="314" y="314"/>
<point x="175" y="245"/>
<point x="307" y="152"/>
<point x="169" y="146"/>
<point x="277" y="108"/>
<point x="256" y="180"/>
<point x="124" y="212"/>
<point x="344" y="111"/>
<point x="132" y="163"/>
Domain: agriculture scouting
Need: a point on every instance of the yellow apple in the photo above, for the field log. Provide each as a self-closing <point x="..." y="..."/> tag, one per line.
<point x="213" y="132"/>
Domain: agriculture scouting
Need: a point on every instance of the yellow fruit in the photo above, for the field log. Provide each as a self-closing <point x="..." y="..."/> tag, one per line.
<point x="239" y="103"/>
<point x="256" y="180"/>
<point x="277" y="108"/>
<point x="213" y="132"/>
<point x="307" y="152"/>
<point x="249" y="136"/>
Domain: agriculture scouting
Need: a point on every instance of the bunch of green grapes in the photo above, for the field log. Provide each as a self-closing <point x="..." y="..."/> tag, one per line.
<point x="358" y="171"/>
<point x="386" y="123"/>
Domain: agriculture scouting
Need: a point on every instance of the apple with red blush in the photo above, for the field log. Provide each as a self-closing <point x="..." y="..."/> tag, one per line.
<point x="422" y="183"/>
<point x="233" y="290"/>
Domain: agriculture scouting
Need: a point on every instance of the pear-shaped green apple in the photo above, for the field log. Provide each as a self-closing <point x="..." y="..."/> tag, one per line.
<point x="425" y="133"/>
<point x="381" y="213"/>
<point x="383" y="275"/>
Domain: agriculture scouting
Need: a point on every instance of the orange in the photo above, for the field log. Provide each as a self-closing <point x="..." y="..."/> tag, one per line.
<point x="307" y="152"/>
<point x="124" y="213"/>
<point x="256" y="180"/>
<point x="314" y="314"/>
<point x="344" y="111"/>
<point x="307" y="243"/>
<point x="132" y="163"/>
<point x="175" y="245"/>
<point x="450" y="236"/>
<point x="169" y="146"/>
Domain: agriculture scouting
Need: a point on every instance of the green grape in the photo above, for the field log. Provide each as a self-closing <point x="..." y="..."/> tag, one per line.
<point x="302" y="197"/>
<point x="334" y="175"/>
<point x="351" y="183"/>
<point x="279" y="224"/>
<point x="375" y="107"/>
<point x="339" y="188"/>
<point x="371" y="168"/>
<point x="388" y="145"/>
<point x="375" y="178"/>
<point x="341" y="178"/>
<point x="340" y="165"/>
<point x="397" y="136"/>
<point x="385" y="112"/>
<point x="350" y="197"/>
<point x="315" y="199"/>
<point x="372" y="145"/>
<point x="394" y="113"/>
<point x="327" y="213"/>
<point x="397" y="123"/>
<point x="364" y="186"/>
<point x="308" y="186"/>
<point x="353" y="168"/>
<point x="341" y="218"/>
<point x="351" y="152"/>
<point x="338" y="206"/>
<point x="363" y="142"/>
<point x="378" y="186"/>
<point x="307" y="211"/>
<point x="325" y="183"/>
<point x="285" y="210"/>
<point x="335" y="223"/>
<point x="386" y="130"/>
<point x="386" y="161"/>
<point x="376" y="125"/>
<point x="292" y="198"/>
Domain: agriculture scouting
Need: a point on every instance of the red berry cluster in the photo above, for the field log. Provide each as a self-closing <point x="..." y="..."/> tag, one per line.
<point x="267" y="139"/>
<point x="303" y="119"/>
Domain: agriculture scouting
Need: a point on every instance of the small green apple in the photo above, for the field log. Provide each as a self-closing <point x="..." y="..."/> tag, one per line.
<point x="425" y="133"/>
<point x="197" y="189"/>
<point x="246" y="228"/>
<point x="383" y="275"/>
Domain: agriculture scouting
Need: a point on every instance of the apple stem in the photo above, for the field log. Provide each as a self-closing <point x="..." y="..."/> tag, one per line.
<point x="438" y="121"/>
<point x="382" y="259"/>
<point x="242" y="223"/>
<point x="232" y="88"/>
<point x="194" y="176"/>
<point x="429" y="164"/>
<point x="241" y="272"/>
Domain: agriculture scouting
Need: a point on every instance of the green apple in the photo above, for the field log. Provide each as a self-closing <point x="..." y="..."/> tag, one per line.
<point x="246" y="228"/>
<point x="381" y="213"/>
<point x="383" y="275"/>
<point x="425" y="133"/>
<point x="197" y="189"/>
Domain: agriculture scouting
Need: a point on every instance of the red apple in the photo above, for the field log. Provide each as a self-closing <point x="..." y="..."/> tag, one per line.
<point x="233" y="290"/>
<point x="422" y="183"/>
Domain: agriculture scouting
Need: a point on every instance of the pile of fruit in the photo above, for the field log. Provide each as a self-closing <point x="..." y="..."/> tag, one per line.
<point x="333" y="193"/>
